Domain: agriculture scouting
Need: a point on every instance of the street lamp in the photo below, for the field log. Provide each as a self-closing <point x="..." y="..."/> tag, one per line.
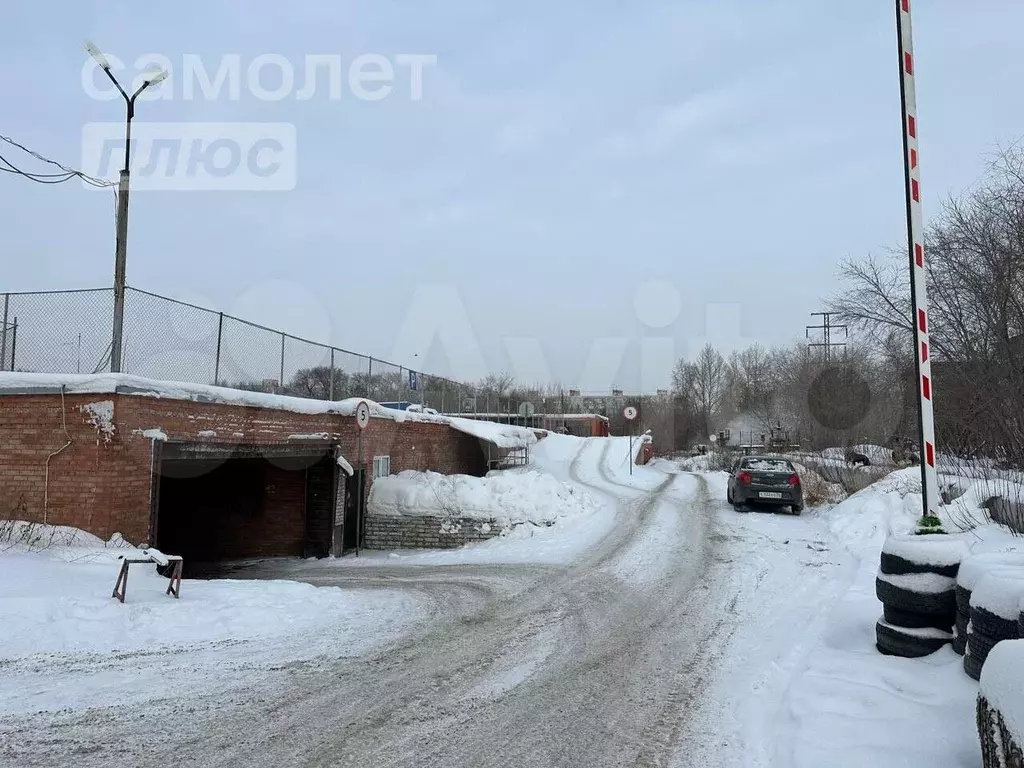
<point x="121" y="243"/>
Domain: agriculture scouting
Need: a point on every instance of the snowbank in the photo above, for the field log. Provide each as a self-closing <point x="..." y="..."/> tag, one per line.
<point x="508" y="497"/>
<point x="868" y="517"/>
<point x="1002" y="681"/>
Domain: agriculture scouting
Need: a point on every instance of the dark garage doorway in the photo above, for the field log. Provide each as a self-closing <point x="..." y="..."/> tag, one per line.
<point x="218" y="504"/>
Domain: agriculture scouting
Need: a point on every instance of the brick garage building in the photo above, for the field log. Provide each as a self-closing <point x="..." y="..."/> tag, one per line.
<point x="206" y="472"/>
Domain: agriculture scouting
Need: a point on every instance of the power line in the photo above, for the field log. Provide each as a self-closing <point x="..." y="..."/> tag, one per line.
<point x="66" y="174"/>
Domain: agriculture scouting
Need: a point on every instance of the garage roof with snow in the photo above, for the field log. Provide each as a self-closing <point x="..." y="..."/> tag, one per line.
<point x="501" y="435"/>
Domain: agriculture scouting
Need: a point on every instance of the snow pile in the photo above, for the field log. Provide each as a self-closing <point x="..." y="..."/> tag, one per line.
<point x="700" y="463"/>
<point x="507" y="497"/>
<point x="903" y="482"/>
<point x="867" y="518"/>
<point x="1002" y="680"/>
<point x="576" y="463"/>
<point x="999" y="592"/>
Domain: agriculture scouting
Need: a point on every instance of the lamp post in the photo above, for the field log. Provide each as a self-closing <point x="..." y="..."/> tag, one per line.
<point x="121" y="241"/>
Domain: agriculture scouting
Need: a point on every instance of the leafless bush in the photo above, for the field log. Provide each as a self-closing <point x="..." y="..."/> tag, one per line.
<point x="445" y="493"/>
<point x="19" y="534"/>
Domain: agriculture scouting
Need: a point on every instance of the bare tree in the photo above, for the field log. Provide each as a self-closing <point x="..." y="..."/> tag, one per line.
<point x="974" y="257"/>
<point x="705" y="383"/>
<point x="315" y="383"/>
<point x="754" y="375"/>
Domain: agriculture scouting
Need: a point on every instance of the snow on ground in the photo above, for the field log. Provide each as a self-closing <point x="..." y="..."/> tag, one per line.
<point x="67" y="644"/>
<point x="803" y="684"/>
<point x="595" y="469"/>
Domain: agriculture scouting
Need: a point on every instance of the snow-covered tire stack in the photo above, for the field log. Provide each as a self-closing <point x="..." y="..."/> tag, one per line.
<point x="972" y="569"/>
<point x="995" y="610"/>
<point x="1001" y="707"/>
<point x="917" y="586"/>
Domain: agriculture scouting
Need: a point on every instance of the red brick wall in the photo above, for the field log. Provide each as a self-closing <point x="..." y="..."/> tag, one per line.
<point x="102" y="484"/>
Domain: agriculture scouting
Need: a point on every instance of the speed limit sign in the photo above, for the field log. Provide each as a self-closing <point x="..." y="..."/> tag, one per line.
<point x="362" y="414"/>
<point x="629" y="412"/>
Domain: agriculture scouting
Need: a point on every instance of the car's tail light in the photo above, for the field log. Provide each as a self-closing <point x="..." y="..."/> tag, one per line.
<point x="744" y="478"/>
<point x="794" y="479"/>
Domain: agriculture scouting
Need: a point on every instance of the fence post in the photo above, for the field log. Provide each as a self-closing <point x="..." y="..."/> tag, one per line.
<point x="369" y="379"/>
<point x="280" y="379"/>
<point x="3" y="335"/>
<point x="330" y="387"/>
<point x="216" y="365"/>
<point x="14" y="341"/>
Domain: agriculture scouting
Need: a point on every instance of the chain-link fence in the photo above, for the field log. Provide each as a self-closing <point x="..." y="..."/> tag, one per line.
<point x="71" y="331"/>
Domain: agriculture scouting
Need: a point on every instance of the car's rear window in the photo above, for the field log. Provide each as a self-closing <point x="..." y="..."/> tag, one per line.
<point x="768" y="465"/>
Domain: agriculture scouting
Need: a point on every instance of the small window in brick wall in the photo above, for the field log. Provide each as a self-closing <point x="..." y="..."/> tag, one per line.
<point x="381" y="466"/>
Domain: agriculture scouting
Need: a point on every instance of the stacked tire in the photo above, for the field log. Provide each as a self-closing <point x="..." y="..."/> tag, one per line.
<point x="1000" y="709"/>
<point x="995" y="612"/>
<point x="972" y="570"/>
<point x="917" y="586"/>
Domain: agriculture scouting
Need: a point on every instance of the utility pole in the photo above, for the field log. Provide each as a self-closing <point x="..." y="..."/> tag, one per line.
<point x="826" y="327"/>
<point x="121" y="238"/>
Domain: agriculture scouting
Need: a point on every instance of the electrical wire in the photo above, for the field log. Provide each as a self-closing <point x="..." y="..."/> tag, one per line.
<point x="66" y="174"/>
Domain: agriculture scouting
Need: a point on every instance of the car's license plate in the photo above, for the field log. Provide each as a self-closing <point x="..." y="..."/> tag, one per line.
<point x="769" y="495"/>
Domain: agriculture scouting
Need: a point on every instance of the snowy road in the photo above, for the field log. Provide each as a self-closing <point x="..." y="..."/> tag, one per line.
<point x="610" y="660"/>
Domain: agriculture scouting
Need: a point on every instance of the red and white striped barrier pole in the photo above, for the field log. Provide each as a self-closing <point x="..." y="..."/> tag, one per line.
<point x="918" y="282"/>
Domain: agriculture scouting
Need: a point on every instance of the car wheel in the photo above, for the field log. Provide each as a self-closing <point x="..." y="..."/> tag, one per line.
<point x="797" y="508"/>
<point x="728" y="496"/>
<point x="740" y="507"/>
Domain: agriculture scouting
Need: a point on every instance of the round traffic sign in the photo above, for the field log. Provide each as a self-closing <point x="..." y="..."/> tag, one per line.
<point x="629" y="412"/>
<point x="362" y="414"/>
<point x="713" y="438"/>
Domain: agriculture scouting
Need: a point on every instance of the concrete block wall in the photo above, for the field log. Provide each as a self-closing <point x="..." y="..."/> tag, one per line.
<point x="414" y="532"/>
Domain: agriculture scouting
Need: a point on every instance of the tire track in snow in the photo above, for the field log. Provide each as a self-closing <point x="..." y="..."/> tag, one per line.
<point x="563" y="667"/>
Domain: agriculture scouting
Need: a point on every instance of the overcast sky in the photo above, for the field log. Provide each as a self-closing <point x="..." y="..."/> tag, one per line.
<point x="577" y="176"/>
